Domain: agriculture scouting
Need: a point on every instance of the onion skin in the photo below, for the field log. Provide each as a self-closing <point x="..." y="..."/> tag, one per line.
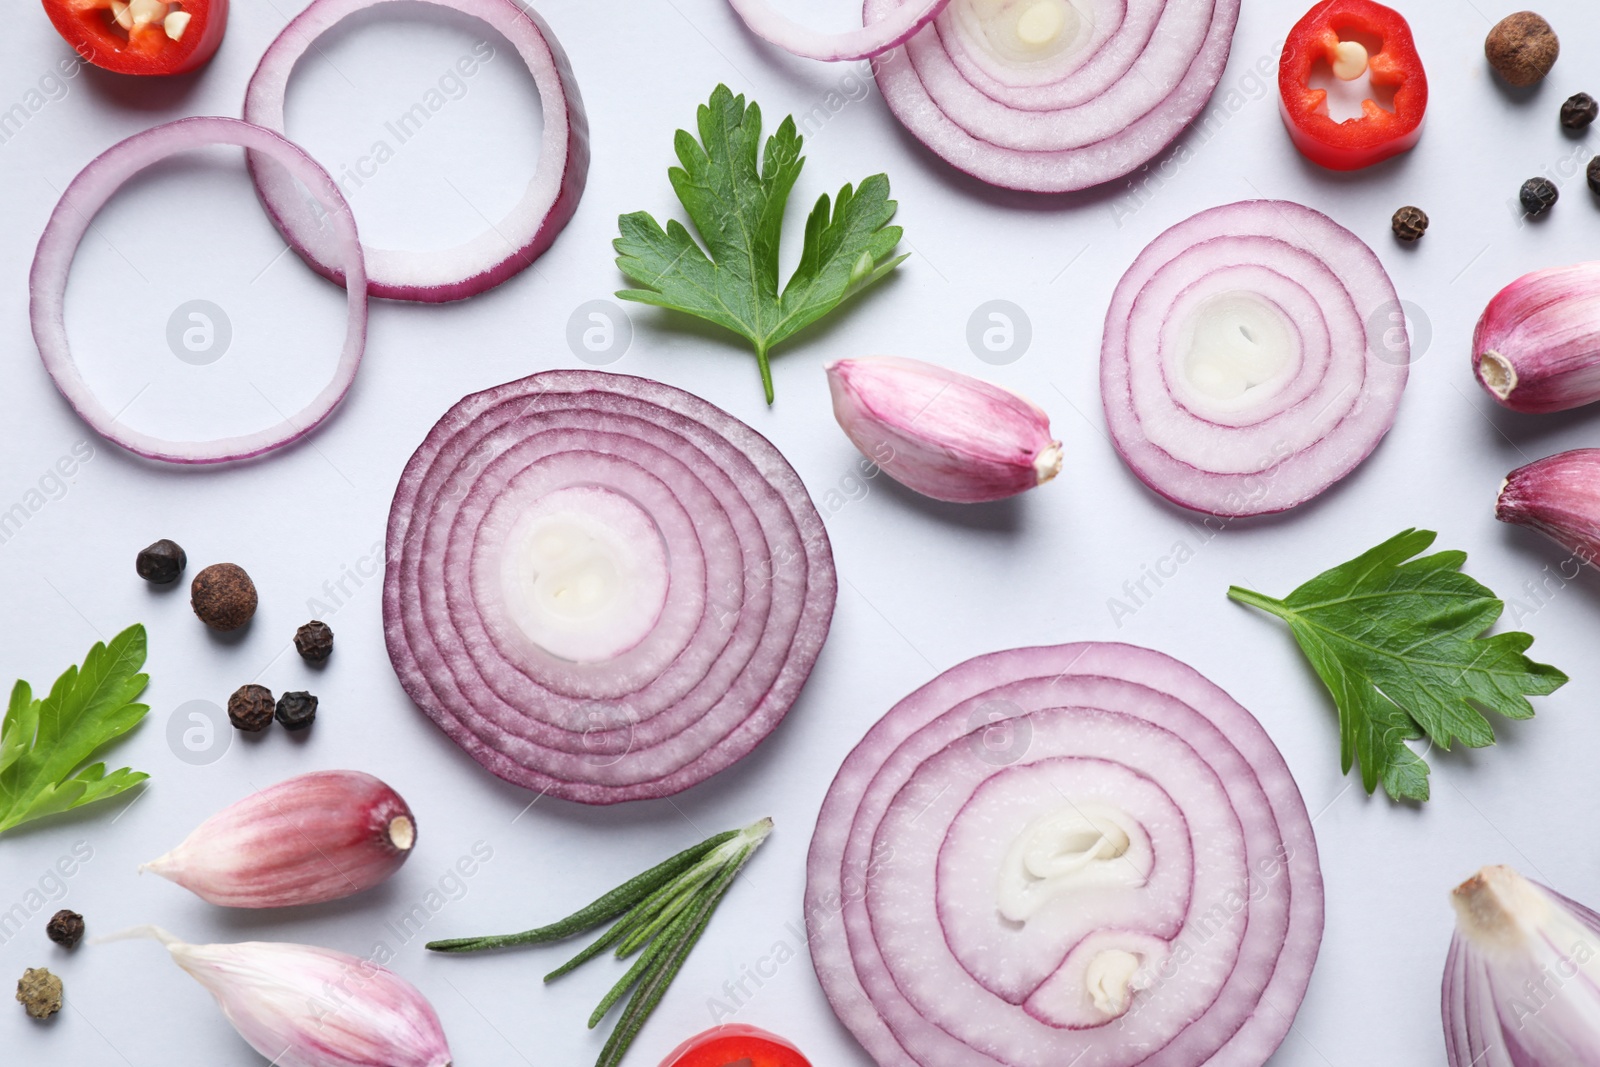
<point x="1519" y="984"/>
<point x="944" y="434"/>
<point x="1560" y="497"/>
<point x="317" y="837"/>
<point x="1537" y="346"/>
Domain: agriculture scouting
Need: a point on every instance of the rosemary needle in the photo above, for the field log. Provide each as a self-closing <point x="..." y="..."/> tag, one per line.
<point x="659" y="914"/>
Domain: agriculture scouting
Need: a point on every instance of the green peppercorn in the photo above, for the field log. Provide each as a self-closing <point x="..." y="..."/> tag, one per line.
<point x="1539" y="195"/>
<point x="39" y="993"/>
<point x="1409" y="224"/>
<point x="161" y="563"/>
<point x="297" y="710"/>
<point x="1579" y="112"/>
<point x="314" y="641"/>
<point x="251" y="708"/>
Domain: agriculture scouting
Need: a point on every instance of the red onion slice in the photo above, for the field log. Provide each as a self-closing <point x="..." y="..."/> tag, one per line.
<point x="1118" y="860"/>
<point x="89" y="192"/>
<point x="602" y="587"/>
<point x="1042" y="96"/>
<point x="774" y="27"/>
<point x="1236" y="371"/>
<point x="511" y="244"/>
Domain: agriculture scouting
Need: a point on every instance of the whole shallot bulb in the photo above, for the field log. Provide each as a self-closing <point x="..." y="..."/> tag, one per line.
<point x="1522" y="981"/>
<point x="944" y="434"/>
<point x="302" y="1006"/>
<point x="1560" y="497"/>
<point x="1537" y="346"/>
<point x="315" y="837"/>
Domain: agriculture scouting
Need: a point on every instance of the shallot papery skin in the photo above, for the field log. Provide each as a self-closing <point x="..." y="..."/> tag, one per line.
<point x="1537" y="346"/>
<point x="313" y="838"/>
<point x="944" y="434"/>
<point x="1522" y="981"/>
<point x="302" y="1006"/>
<point x="1560" y="497"/>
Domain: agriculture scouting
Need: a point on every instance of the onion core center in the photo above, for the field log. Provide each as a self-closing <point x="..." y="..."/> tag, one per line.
<point x="1071" y="848"/>
<point x="584" y="573"/>
<point x="1109" y="978"/>
<point x="1239" y="346"/>
<point x="1028" y="30"/>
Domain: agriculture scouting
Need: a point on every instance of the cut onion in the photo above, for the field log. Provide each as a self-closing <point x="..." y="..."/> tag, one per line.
<point x="1237" y="372"/>
<point x="894" y="29"/>
<point x="1055" y="95"/>
<point x="602" y="587"/>
<point x="1082" y="854"/>
<point x="75" y="213"/>
<point x="509" y="245"/>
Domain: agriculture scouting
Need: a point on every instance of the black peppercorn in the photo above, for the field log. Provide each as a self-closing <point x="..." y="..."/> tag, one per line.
<point x="65" y="928"/>
<point x="223" y="596"/>
<point x="1539" y="195"/>
<point x="297" y="710"/>
<point x="250" y="708"/>
<point x="1594" y="175"/>
<point x="1410" y="223"/>
<point x="314" y="641"/>
<point x="162" y="562"/>
<point x="1579" y="111"/>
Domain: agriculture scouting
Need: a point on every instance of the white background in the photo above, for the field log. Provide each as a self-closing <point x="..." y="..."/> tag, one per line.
<point x="923" y="586"/>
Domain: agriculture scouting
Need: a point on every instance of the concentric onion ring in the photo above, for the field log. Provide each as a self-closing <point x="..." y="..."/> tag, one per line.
<point x="774" y="27"/>
<point x="88" y="193"/>
<point x="1040" y="96"/>
<point x="1237" y="371"/>
<point x="510" y="245"/>
<point x="701" y="576"/>
<point x="1055" y="813"/>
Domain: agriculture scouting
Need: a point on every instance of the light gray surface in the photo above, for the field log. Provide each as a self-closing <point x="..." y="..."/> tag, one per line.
<point x="924" y="586"/>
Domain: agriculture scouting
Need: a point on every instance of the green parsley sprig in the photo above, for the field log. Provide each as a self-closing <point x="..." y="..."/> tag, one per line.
<point x="1400" y="647"/>
<point x="662" y="914"/>
<point x="44" y="743"/>
<point x="736" y="203"/>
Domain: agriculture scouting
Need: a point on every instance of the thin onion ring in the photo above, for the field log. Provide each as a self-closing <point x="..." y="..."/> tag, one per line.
<point x="528" y="229"/>
<point x="70" y="221"/>
<point x="776" y="28"/>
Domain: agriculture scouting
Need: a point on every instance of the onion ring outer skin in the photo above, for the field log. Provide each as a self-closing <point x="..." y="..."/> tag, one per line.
<point x="73" y="215"/>
<point x="480" y="264"/>
<point x="873" y="40"/>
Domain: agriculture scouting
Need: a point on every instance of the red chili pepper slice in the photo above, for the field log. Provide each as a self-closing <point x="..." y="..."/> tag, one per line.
<point x="142" y="36"/>
<point x="1379" y="133"/>
<point x="736" y="1045"/>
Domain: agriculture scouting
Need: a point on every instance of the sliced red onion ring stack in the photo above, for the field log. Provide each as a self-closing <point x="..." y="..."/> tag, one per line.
<point x="1239" y="372"/>
<point x="1055" y="95"/>
<point x="511" y="244"/>
<point x="602" y="587"/>
<point x="1082" y="854"/>
<point x="896" y="28"/>
<point x="75" y="213"/>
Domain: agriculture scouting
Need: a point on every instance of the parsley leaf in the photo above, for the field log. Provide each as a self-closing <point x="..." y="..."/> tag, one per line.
<point x="44" y="743"/>
<point x="737" y="209"/>
<point x="1400" y="647"/>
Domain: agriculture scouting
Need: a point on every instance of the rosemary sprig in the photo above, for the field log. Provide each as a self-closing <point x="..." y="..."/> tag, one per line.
<point x="660" y="915"/>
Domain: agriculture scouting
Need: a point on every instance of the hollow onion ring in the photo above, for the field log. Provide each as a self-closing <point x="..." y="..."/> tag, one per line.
<point x="75" y="213"/>
<point x="772" y="26"/>
<point x="510" y="245"/>
<point x="602" y="587"/>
